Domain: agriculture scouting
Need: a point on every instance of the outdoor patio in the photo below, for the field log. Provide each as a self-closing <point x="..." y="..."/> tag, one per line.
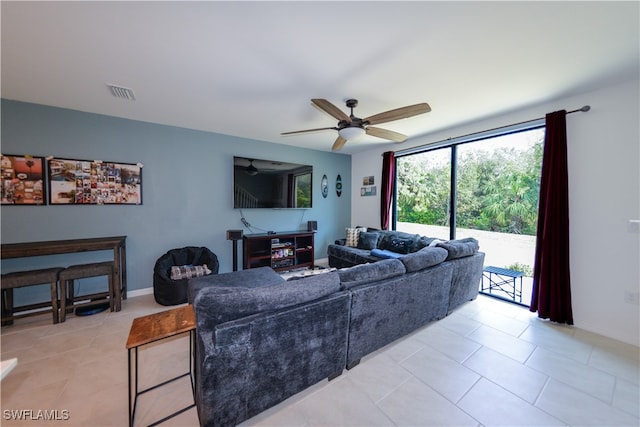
<point x="501" y="249"/>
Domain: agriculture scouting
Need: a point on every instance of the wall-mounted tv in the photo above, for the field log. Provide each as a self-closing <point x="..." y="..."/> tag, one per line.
<point x="260" y="183"/>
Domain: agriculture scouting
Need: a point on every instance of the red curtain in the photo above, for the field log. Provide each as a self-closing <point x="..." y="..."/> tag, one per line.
<point x="388" y="182"/>
<point x="551" y="279"/>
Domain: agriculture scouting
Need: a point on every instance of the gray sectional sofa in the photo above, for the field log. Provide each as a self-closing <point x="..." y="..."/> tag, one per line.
<point x="261" y="339"/>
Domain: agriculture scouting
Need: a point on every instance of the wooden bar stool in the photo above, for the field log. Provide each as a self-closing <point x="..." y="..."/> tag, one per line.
<point x="81" y="271"/>
<point x="20" y="279"/>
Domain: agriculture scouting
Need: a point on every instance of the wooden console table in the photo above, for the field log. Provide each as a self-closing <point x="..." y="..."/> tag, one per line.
<point x="117" y="244"/>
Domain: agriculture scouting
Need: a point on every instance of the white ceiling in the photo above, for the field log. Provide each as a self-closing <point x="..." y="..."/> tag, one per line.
<point x="250" y="68"/>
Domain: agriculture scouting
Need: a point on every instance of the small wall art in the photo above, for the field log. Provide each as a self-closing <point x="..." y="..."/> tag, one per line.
<point x="86" y="182"/>
<point x="339" y="185"/>
<point x="324" y="186"/>
<point x="368" y="191"/>
<point x="22" y="180"/>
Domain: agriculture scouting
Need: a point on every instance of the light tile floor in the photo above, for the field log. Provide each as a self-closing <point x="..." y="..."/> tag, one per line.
<point x="488" y="363"/>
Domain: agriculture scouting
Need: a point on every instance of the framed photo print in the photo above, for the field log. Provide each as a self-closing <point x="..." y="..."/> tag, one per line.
<point x="22" y="180"/>
<point x="86" y="182"/>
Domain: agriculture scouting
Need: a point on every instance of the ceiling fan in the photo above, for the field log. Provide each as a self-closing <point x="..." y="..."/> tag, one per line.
<point x="351" y="127"/>
<point x="250" y="169"/>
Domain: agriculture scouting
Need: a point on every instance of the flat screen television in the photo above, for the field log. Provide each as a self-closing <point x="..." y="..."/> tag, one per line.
<point x="259" y="183"/>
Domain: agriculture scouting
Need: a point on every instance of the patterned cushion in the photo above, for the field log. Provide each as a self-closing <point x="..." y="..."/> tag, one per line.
<point x="398" y="241"/>
<point x="179" y="272"/>
<point x="352" y="236"/>
<point x="401" y="246"/>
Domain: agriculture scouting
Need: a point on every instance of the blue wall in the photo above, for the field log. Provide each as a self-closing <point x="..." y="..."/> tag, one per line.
<point x="187" y="188"/>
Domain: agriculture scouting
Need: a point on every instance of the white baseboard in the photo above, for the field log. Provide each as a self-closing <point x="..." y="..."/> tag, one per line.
<point x="139" y="292"/>
<point x="322" y="261"/>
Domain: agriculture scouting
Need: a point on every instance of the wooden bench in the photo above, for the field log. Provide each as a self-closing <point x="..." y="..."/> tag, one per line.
<point x="70" y="301"/>
<point x="20" y="279"/>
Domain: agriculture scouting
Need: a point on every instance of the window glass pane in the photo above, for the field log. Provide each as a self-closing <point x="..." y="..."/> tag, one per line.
<point x="498" y="186"/>
<point x="302" y="190"/>
<point x="423" y="193"/>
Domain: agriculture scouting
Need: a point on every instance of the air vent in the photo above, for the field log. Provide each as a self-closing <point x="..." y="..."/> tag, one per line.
<point x="122" y="92"/>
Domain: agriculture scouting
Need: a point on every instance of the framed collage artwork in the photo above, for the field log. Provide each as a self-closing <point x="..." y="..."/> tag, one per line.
<point x="22" y="180"/>
<point x="86" y="182"/>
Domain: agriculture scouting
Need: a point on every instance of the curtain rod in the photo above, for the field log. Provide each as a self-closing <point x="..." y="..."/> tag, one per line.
<point x="583" y="109"/>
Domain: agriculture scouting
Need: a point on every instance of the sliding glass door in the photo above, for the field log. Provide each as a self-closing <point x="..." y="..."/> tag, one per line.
<point x="486" y="188"/>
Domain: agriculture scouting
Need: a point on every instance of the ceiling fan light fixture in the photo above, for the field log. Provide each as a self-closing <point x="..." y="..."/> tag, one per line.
<point x="351" y="133"/>
<point x="251" y="170"/>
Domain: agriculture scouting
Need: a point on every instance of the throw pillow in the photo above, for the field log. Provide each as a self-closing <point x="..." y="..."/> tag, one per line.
<point x="368" y="240"/>
<point x="388" y="236"/>
<point x="179" y="272"/>
<point x="384" y="253"/>
<point x="401" y="246"/>
<point x="352" y="236"/>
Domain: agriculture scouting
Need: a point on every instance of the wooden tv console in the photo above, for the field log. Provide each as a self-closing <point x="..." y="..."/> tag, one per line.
<point x="281" y="251"/>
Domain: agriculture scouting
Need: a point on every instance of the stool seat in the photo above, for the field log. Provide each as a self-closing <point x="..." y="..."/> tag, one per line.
<point x="81" y="271"/>
<point x="20" y="279"/>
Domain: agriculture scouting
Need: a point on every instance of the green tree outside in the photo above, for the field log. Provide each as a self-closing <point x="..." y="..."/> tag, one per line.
<point x="497" y="188"/>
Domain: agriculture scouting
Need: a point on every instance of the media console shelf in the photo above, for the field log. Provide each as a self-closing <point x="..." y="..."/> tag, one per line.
<point x="281" y="251"/>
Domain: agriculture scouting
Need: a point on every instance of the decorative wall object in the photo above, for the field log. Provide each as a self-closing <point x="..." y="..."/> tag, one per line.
<point x="324" y="186"/>
<point x="22" y="180"/>
<point x="369" y="188"/>
<point x="95" y="182"/>
<point x="339" y="185"/>
<point x="368" y="191"/>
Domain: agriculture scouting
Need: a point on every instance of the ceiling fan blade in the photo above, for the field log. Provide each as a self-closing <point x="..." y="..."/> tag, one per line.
<point x="308" y="130"/>
<point x="386" y="134"/>
<point x="331" y="109"/>
<point x="398" y="113"/>
<point x="340" y="141"/>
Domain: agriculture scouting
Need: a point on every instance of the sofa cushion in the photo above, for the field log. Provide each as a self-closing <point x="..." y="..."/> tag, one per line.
<point x="383" y="253"/>
<point x="401" y="246"/>
<point x="250" y="278"/>
<point x="424" y="258"/>
<point x="424" y="241"/>
<point x="398" y="241"/>
<point x="368" y="240"/>
<point x="229" y="303"/>
<point x="460" y="248"/>
<point x="344" y="256"/>
<point x="352" y="236"/>
<point x="365" y="273"/>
